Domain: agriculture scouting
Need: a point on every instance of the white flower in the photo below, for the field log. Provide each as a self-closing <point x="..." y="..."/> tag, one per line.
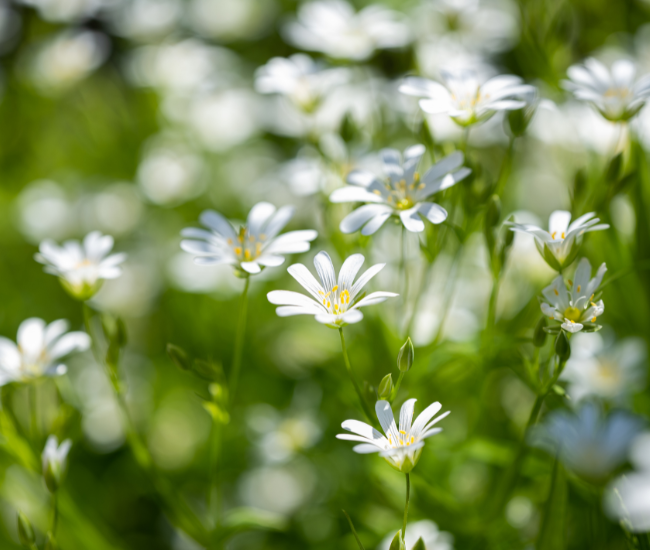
<point x="598" y="368"/>
<point x="402" y="446"/>
<point x="428" y="531"/>
<point x="81" y="267"/>
<point x="335" y="303"/>
<point x="464" y="97"/>
<point x="575" y="309"/>
<point x="403" y="193"/>
<point x="299" y="78"/>
<point x="334" y="28"/>
<point x="55" y="458"/>
<point x="589" y="444"/>
<point x="628" y="497"/>
<point x="615" y="94"/>
<point x="560" y="244"/>
<point x="39" y="350"/>
<point x="254" y="247"/>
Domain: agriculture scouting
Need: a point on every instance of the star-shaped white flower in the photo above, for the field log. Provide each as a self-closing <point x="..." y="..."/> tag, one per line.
<point x="81" y="267"/>
<point x="256" y="245"/>
<point x="55" y="461"/>
<point x="39" y="350"/>
<point x="335" y="302"/>
<point x="335" y="29"/>
<point x="575" y="309"/>
<point x="301" y="79"/>
<point x="560" y="244"/>
<point x="615" y="93"/>
<point x="403" y="192"/>
<point x="401" y="447"/>
<point x="465" y="98"/>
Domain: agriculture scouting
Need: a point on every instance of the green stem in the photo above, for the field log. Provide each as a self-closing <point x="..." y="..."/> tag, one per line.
<point x="406" y="506"/>
<point x="33" y="412"/>
<point x="492" y="306"/>
<point x="215" y="447"/>
<point x="505" y="169"/>
<point x="348" y="367"/>
<point x="55" y="513"/>
<point x="393" y="394"/>
<point x="404" y="271"/>
<point x="239" y="341"/>
<point x="354" y="531"/>
<point x="449" y="295"/>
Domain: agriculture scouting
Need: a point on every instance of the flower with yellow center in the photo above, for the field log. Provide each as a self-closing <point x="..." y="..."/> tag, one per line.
<point x="402" y="192"/>
<point x="402" y="446"/>
<point x="334" y="303"/>
<point x="254" y="246"/>
<point x="576" y="309"/>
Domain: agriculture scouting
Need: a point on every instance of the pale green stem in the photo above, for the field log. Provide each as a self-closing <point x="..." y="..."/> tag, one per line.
<point x="215" y="447"/>
<point x="239" y="341"/>
<point x="492" y="306"/>
<point x="348" y="367"/>
<point x="393" y="394"/>
<point x="55" y="513"/>
<point x="406" y="506"/>
<point x="33" y="412"/>
<point x="404" y="272"/>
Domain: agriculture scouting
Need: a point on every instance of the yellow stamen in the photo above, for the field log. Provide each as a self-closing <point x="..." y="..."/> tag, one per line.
<point x="553" y="235"/>
<point x="247" y="254"/>
<point x="556" y="292"/>
<point x="238" y="251"/>
<point x="579" y="287"/>
<point x="229" y="242"/>
<point x="563" y="234"/>
<point x="262" y="237"/>
<point x="402" y="432"/>
<point x="335" y="288"/>
<point x="593" y="319"/>
<point x="377" y="192"/>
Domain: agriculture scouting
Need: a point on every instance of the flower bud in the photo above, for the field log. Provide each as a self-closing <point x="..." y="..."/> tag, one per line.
<point x="398" y="543"/>
<point x="179" y="357"/>
<point x="83" y="290"/>
<point x="25" y="531"/>
<point x="385" y="387"/>
<point x="55" y="458"/>
<point x="419" y="545"/>
<point x="539" y="336"/>
<point x="406" y="356"/>
<point x="562" y="347"/>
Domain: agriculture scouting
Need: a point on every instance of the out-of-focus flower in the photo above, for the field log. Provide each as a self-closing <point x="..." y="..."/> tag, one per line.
<point x="607" y="371"/>
<point x="55" y="458"/>
<point x="560" y="244"/>
<point x="335" y="303"/>
<point x="254" y="247"/>
<point x="81" y="267"/>
<point x="401" y="447"/>
<point x="628" y="497"/>
<point x="299" y="78"/>
<point x="575" y="309"/>
<point x="403" y="193"/>
<point x="68" y="58"/>
<point x="305" y="175"/>
<point x="227" y="20"/>
<point x="66" y="11"/>
<point x="519" y="119"/>
<point x="428" y="531"/>
<point x="589" y="444"/>
<point x="465" y="98"/>
<point x="616" y="94"/>
<point x="39" y="349"/>
<point x="334" y="28"/>
<point x="145" y="19"/>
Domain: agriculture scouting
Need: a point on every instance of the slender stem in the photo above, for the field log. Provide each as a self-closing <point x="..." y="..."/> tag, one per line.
<point x="215" y="447"/>
<point x="504" y="171"/>
<point x="492" y="306"/>
<point x="348" y="367"/>
<point x="33" y="412"/>
<point x="404" y="271"/>
<point x="239" y="341"/>
<point x="55" y="513"/>
<point x="406" y="506"/>
<point x="393" y="394"/>
<point x="449" y="295"/>
<point x="354" y="531"/>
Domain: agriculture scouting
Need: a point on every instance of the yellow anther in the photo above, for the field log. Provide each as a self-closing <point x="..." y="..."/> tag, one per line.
<point x="336" y="307"/>
<point x="238" y="251"/>
<point x="556" y="292"/>
<point x="591" y="297"/>
<point x="324" y="301"/>
<point x="593" y="319"/>
<point x="402" y="432"/>
<point x="321" y="293"/>
<point x="579" y="287"/>
<point x="251" y="238"/>
<point x="258" y="248"/>
<point x="329" y="304"/>
<point x="262" y="237"/>
<point x="593" y="304"/>
<point x="335" y="288"/>
<point x="229" y="242"/>
<point x="247" y="254"/>
<point x="570" y="282"/>
<point x="377" y="192"/>
<point x="563" y="234"/>
<point x="551" y="318"/>
<point x="421" y="186"/>
<point x="412" y="439"/>
<point x="553" y="235"/>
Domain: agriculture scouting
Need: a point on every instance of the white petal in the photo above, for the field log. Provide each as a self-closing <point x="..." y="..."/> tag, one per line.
<point x="362" y="429"/>
<point x="366" y="448"/>
<point x="258" y="216"/>
<point x="411" y="219"/>
<point x="31" y="336"/>
<point x="301" y="274"/>
<point x="357" y="218"/>
<point x="365" y="277"/>
<point x="354" y="194"/>
<point x="54" y="330"/>
<point x="251" y="267"/>
<point x="325" y="269"/>
<point x="277" y="222"/>
<point x="386" y="419"/>
<point x="288" y="298"/>
<point x="9" y="356"/>
<point x="375" y="224"/>
<point x="406" y="415"/>
<point x="432" y="212"/>
<point x="375" y="298"/>
<point x="352" y="316"/>
<point x="559" y="222"/>
<point x="288" y="311"/>
<point x="73" y="341"/>
<point x="349" y="270"/>
<point x="571" y="327"/>
<point x="218" y="223"/>
<point x="424" y="417"/>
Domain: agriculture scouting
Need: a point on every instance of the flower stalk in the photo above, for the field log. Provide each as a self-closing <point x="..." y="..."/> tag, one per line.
<point x="348" y="368"/>
<point x="239" y="341"/>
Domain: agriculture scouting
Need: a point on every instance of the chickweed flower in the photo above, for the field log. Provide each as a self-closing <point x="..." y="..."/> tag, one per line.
<point x="255" y="246"/>
<point x="559" y="245"/>
<point x="616" y="94"/>
<point x="81" y="267"/>
<point x="402" y="192"/>
<point x="401" y="447"/>
<point x="39" y="349"/>
<point x="55" y="458"/>
<point x="575" y="308"/>
<point x="335" y="302"/>
<point x="465" y="98"/>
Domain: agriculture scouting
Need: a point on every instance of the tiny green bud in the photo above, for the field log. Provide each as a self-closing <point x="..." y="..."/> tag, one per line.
<point x="562" y="347"/>
<point x="614" y="169"/>
<point x="493" y="212"/>
<point x="25" y="531"/>
<point x="52" y="476"/>
<point x="385" y="387"/>
<point x="208" y="370"/>
<point x="539" y="336"/>
<point x="518" y="121"/>
<point x="178" y="356"/>
<point x="419" y="545"/>
<point x="406" y="356"/>
<point x="398" y="543"/>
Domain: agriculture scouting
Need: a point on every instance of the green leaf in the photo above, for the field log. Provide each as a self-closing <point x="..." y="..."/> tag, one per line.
<point x="419" y="545"/>
<point x="552" y="534"/>
<point x="354" y="531"/>
<point x="398" y="543"/>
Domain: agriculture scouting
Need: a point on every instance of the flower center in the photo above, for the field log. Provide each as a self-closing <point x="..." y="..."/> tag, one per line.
<point x="404" y="440"/>
<point x="617" y="93"/>
<point x="554" y="235"/>
<point x="572" y="313"/>
<point x="400" y="194"/>
<point x="336" y="301"/>
<point x="248" y="246"/>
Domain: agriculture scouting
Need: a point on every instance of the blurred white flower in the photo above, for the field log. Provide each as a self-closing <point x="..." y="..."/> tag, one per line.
<point x="255" y="246"/>
<point x="68" y="58"/>
<point x="39" y="349"/>
<point x="145" y="19"/>
<point x="226" y="20"/>
<point x="402" y="193"/>
<point x="305" y="175"/>
<point x="44" y="211"/>
<point x="560" y="244"/>
<point x="575" y="309"/>
<point x="54" y="459"/>
<point x="589" y="444"/>
<point x="334" y="28"/>
<point x="171" y="173"/>
<point x="616" y="94"/>
<point x="464" y="97"/>
<point x="607" y="371"/>
<point x="67" y="11"/>
<point x="628" y="497"/>
<point x="335" y="303"/>
<point x="428" y="531"/>
<point x="402" y="446"/>
<point x="301" y="79"/>
<point x="81" y="267"/>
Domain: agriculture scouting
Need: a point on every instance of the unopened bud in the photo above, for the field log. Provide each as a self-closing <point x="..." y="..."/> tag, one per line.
<point x="539" y="336"/>
<point x="406" y="356"/>
<point x="562" y="347"/>
<point x="25" y="531"/>
<point x="178" y="356"/>
<point x="398" y="543"/>
<point x="385" y="387"/>
<point x="419" y="545"/>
